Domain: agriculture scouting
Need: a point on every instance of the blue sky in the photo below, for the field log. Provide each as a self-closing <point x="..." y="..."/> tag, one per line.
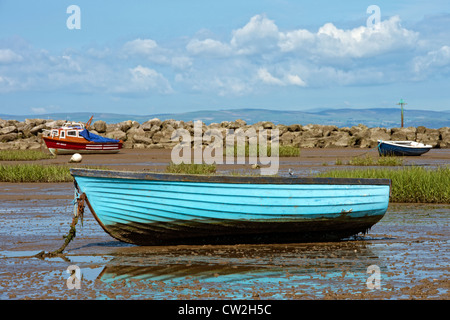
<point x="147" y="57"/>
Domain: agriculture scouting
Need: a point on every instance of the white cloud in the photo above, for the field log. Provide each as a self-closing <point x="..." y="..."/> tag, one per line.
<point x="181" y="62"/>
<point x="295" y="80"/>
<point x="288" y="79"/>
<point x="256" y="57"/>
<point x="259" y="34"/>
<point x="9" y="56"/>
<point x="432" y="61"/>
<point x="6" y="84"/>
<point x="266" y="77"/>
<point x="208" y="47"/>
<point x="140" y="46"/>
<point x="230" y="85"/>
<point x="332" y="42"/>
<point x="146" y="79"/>
<point x="148" y="49"/>
<point x="71" y="63"/>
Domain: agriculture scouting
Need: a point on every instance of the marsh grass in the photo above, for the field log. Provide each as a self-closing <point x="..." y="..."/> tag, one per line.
<point x="38" y="173"/>
<point x="409" y="184"/>
<point x="191" y="168"/>
<point x="34" y="173"/>
<point x="283" y="151"/>
<point x="24" y="155"/>
<point x="369" y="161"/>
<point x="237" y="173"/>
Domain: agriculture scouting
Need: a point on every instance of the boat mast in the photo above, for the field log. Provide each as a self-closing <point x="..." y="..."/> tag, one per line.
<point x="402" y="103"/>
<point x="88" y="124"/>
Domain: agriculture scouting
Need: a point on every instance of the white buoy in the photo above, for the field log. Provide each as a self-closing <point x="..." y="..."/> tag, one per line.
<point x="76" y="158"/>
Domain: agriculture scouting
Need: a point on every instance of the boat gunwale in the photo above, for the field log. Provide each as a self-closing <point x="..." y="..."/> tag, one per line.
<point x="176" y="177"/>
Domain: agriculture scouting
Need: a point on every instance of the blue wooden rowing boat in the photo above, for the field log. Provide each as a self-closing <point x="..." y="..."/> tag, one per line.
<point x="402" y="148"/>
<point x="157" y="208"/>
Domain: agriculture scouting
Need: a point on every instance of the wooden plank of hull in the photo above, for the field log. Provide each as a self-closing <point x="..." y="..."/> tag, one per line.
<point x="248" y="210"/>
<point x="220" y="231"/>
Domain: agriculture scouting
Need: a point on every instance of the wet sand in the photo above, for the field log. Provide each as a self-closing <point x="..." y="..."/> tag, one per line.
<point x="410" y="245"/>
<point x="309" y="162"/>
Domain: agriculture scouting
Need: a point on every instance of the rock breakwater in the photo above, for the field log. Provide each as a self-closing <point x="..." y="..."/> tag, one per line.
<point x="155" y="133"/>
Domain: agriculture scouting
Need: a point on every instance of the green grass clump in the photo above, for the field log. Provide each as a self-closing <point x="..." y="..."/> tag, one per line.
<point x="283" y="151"/>
<point x="34" y="173"/>
<point x="24" y="155"/>
<point x="191" y="168"/>
<point x="369" y="161"/>
<point x="288" y="151"/>
<point x="409" y="184"/>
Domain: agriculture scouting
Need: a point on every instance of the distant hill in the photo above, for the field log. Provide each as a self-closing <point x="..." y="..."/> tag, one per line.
<point x="381" y="117"/>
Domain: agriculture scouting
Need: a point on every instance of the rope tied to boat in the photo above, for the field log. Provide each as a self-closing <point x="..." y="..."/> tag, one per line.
<point x="79" y="204"/>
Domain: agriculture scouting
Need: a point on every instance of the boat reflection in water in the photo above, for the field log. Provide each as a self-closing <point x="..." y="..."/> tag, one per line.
<point x="238" y="270"/>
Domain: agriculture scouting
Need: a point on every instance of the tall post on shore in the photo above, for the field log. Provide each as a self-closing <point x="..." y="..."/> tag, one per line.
<point x="402" y="103"/>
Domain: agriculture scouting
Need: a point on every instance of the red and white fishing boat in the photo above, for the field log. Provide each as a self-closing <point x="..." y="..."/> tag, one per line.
<point x="73" y="137"/>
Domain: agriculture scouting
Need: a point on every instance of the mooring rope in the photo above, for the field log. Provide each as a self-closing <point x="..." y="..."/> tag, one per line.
<point x="79" y="204"/>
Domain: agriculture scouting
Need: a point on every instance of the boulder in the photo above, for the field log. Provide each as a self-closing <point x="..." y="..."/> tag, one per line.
<point x="403" y="134"/>
<point x="294" y="128"/>
<point x="125" y="125"/>
<point x="312" y="131"/>
<point x="134" y="132"/>
<point x="8" y="130"/>
<point x="3" y="123"/>
<point x="430" y="136"/>
<point x="138" y="139"/>
<point x="239" y="123"/>
<point x="100" y="126"/>
<point x="338" y="139"/>
<point x="157" y="136"/>
<point x="117" y="134"/>
<point x="371" y="136"/>
<point x="8" y="137"/>
<point x="357" y="129"/>
<point x="444" y="141"/>
<point x="287" y="138"/>
<point x="307" y="142"/>
<point x="328" y="129"/>
<point x="139" y="146"/>
<point x="37" y="129"/>
<point x="155" y="122"/>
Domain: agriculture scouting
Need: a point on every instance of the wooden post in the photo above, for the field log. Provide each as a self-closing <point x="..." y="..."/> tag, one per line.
<point x="401" y="103"/>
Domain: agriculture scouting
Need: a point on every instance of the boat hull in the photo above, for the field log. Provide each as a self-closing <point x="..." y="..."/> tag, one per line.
<point x="69" y="147"/>
<point x="387" y="149"/>
<point x="161" y="209"/>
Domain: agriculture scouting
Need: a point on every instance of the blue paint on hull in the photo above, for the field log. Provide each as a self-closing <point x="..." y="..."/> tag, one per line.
<point x="385" y="149"/>
<point x="159" y="212"/>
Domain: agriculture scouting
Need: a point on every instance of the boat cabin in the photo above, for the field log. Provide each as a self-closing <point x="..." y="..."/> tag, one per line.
<point x="68" y="131"/>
